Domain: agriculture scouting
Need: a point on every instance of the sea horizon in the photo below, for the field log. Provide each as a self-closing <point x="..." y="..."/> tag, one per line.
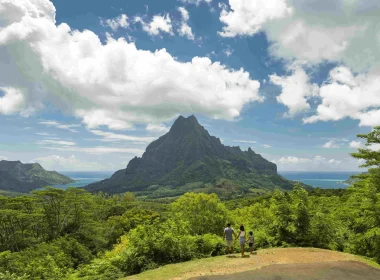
<point x="321" y="179"/>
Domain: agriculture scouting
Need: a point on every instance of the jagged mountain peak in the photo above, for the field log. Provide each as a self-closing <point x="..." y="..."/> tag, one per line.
<point x="183" y="126"/>
<point x="188" y="154"/>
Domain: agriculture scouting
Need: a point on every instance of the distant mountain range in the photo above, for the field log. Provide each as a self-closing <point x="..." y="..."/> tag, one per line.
<point x="187" y="158"/>
<point x="18" y="177"/>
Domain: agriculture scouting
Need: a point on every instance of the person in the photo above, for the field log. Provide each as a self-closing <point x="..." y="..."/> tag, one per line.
<point x="250" y="241"/>
<point x="241" y="235"/>
<point x="228" y="232"/>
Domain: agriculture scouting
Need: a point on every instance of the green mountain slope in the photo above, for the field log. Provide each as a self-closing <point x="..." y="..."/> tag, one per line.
<point x="18" y="177"/>
<point x="187" y="154"/>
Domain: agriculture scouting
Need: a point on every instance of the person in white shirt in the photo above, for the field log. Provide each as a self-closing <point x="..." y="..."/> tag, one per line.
<point x="241" y="235"/>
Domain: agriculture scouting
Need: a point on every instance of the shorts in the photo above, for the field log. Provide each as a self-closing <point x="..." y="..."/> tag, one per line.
<point x="229" y="243"/>
<point x="242" y="241"/>
<point x="250" y="245"/>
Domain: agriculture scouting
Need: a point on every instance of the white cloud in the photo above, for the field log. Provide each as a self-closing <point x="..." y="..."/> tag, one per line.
<point x="296" y="90"/>
<point x="12" y="101"/>
<point x="267" y="146"/>
<point x="3" y="158"/>
<point x="76" y="73"/>
<point x="330" y="144"/>
<point x="355" y="144"/>
<point x="158" y="128"/>
<point x="349" y="96"/>
<point x="311" y="30"/>
<point x="246" y="141"/>
<point x="157" y="25"/>
<point x="115" y="23"/>
<point x="374" y="147"/>
<point x="56" y="142"/>
<point x="72" y="163"/>
<point x="319" y="158"/>
<point x="56" y="124"/>
<point x="247" y="17"/>
<point x="98" y="150"/>
<point x="291" y="160"/>
<point x="316" y="163"/>
<point x="196" y="2"/>
<point x="185" y="29"/>
<point x="113" y="137"/>
<point x="228" y="52"/>
<point x="334" y="161"/>
<point x="44" y="134"/>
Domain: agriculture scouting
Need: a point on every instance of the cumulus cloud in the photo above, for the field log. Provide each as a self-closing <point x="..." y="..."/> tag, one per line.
<point x="291" y="160"/>
<point x="116" y="23"/>
<point x="69" y="127"/>
<point x="184" y="29"/>
<point x="247" y="17"/>
<point x="330" y="144"/>
<point x="355" y="144"/>
<point x="12" y="101"/>
<point x="79" y="75"/>
<point x="55" y="162"/>
<point x="157" y="128"/>
<point x="348" y="96"/>
<point x="296" y="90"/>
<point x="157" y="25"/>
<point x="3" y="158"/>
<point x="316" y="163"/>
<point x="311" y="30"/>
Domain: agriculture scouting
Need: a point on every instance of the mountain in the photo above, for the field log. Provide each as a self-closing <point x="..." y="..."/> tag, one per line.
<point x="18" y="177"/>
<point x="189" y="158"/>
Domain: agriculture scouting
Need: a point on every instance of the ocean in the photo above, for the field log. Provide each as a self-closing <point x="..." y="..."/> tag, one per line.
<point x="84" y="178"/>
<point x="324" y="180"/>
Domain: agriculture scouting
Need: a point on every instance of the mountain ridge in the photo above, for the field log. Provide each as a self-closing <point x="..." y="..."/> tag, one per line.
<point x="19" y="177"/>
<point x="188" y="154"/>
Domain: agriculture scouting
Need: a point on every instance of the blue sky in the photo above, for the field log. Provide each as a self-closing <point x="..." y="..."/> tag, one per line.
<point x="86" y="85"/>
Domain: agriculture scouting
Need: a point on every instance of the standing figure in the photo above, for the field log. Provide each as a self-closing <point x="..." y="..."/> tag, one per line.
<point x="251" y="239"/>
<point x="228" y="232"/>
<point x="241" y="235"/>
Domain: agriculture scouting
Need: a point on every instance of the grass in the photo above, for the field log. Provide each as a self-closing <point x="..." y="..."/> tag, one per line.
<point x="229" y="265"/>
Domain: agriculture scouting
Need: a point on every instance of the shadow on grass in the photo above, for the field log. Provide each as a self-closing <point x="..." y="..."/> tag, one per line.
<point x="232" y="256"/>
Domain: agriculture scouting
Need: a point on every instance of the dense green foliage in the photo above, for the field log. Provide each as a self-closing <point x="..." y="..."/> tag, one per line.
<point x="72" y="234"/>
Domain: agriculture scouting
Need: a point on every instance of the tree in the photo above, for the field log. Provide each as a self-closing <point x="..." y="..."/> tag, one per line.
<point x="202" y="213"/>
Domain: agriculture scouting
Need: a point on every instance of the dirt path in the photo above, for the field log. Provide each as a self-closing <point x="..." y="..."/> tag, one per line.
<point x="348" y="270"/>
<point x="227" y="265"/>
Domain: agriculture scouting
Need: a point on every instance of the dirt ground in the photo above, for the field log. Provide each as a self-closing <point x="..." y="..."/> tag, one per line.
<point x="348" y="270"/>
<point x="277" y="259"/>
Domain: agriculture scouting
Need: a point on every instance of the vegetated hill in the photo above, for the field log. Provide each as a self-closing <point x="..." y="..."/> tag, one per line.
<point x="187" y="158"/>
<point x="18" y="177"/>
<point x="354" y="179"/>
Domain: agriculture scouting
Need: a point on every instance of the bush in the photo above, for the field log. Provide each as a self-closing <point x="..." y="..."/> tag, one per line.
<point x="46" y="261"/>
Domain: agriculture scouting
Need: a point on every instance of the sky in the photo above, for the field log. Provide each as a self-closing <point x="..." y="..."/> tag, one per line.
<point x="87" y="85"/>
